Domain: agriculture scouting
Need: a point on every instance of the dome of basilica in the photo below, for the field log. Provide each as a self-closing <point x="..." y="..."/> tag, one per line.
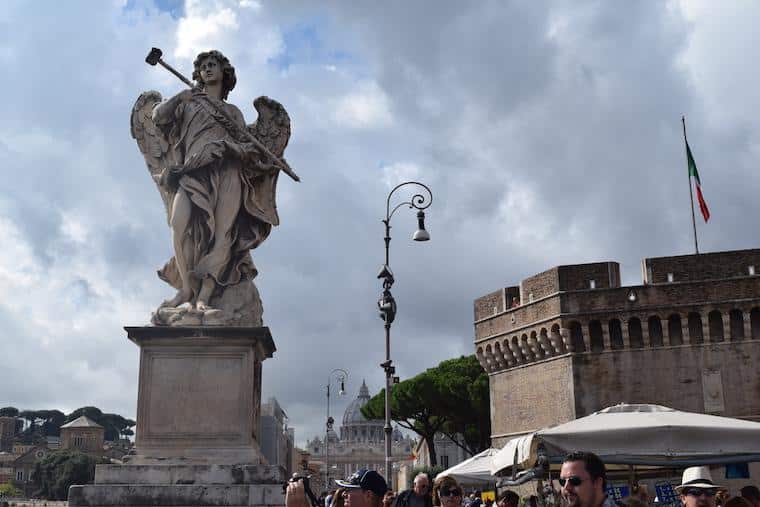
<point x="353" y="413"/>
<point x="355" y="426"/>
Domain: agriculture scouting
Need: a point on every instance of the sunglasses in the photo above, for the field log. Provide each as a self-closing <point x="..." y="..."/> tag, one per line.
<point x="700" y="491"/>
<point x="574" y="480"/>
<point x="450" y="492"/>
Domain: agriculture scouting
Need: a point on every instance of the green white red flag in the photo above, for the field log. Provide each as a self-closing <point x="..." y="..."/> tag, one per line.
<point x="693" y="173"/>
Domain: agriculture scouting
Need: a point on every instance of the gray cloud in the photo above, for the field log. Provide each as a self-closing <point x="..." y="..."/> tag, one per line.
<point x="549" y="133"/>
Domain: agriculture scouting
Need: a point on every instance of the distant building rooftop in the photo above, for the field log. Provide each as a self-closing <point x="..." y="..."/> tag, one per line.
<point x="82" y="422"/>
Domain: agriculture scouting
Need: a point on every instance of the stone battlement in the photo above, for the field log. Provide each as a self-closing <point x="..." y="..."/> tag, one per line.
<point x="684" y="300"/>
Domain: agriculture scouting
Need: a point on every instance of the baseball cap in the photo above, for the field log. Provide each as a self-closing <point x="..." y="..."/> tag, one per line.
<point x="366" y="479"/>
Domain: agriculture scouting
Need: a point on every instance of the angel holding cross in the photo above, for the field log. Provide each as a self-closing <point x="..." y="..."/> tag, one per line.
<point x="218" y="186"/>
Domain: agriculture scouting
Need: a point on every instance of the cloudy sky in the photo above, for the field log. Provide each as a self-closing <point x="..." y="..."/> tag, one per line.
<point x="549" y="132"/>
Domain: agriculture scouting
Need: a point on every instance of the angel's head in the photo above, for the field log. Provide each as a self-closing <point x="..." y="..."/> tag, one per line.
<point x="228" y="71"/>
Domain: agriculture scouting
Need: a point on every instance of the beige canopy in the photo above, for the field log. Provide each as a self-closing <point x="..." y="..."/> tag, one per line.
<point x="475" y="470"/>
<point x="639" y="435"/>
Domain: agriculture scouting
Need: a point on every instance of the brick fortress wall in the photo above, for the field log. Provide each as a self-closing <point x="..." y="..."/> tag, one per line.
<point x="690" y="344"/>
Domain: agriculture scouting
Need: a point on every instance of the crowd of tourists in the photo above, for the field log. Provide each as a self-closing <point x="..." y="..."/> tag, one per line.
<point x="582" y="483"/>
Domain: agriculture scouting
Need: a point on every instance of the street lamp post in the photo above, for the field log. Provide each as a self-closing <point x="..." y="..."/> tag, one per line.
<point x="339" y="375"/>
<point x="387" y="305"/>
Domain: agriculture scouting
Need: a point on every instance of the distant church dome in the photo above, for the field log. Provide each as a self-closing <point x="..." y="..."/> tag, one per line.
<point x="353" y="413"/>
<point x="356" y="427"/>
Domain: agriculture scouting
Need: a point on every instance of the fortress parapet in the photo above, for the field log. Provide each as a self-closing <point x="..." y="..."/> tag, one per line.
<point x="694" y="321"/>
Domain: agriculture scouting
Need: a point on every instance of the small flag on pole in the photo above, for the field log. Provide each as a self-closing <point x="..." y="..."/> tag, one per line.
<point x="693" y="173"/>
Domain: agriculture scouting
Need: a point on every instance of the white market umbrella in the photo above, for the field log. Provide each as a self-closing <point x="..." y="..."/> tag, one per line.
<point x="474" y="470"/>
<point x="640" y="435"/>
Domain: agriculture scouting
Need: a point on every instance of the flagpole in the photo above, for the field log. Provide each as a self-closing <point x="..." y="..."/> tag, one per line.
<point x="691" y="195"/>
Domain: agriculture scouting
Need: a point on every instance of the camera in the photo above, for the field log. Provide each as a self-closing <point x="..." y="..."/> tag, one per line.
<point x="306" y="487"/>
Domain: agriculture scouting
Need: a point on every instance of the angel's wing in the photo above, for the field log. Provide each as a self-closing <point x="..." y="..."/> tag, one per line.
<point x="272" y="127"/>
<point x="152" y="142"/>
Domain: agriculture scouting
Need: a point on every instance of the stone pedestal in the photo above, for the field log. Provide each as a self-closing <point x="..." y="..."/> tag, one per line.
<point x="198" y="407"/>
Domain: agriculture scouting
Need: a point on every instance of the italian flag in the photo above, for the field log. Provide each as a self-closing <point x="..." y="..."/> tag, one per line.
<point x="693" y="173"/>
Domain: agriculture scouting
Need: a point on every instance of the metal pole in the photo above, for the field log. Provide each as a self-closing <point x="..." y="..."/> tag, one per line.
<point x="387" y="305"/>
<point x="343" y="375"/>
<point x="327" y="439"/>
<point x="387" y="428"/>
<point x="691" y="196"/>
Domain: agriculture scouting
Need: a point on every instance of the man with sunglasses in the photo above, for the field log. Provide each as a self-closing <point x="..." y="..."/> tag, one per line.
<point x="583" y="480"/>
<point x="419" y="496"/>
<point x="697" y="488"/>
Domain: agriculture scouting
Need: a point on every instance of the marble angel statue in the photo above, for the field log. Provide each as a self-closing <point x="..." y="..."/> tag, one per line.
<point x="217" y="177"/>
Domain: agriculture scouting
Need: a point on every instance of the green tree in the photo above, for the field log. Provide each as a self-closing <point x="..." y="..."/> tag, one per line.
<point x="467" y="403"/>
<point x="42" y="423"/>
<point x="58" y="470"/>
<point x="50" y="422"/>
<point x="451" y="398"/>
<point x="411" y="408"/>
<point x="9" y="490"/>
<point x="45" y="423"/>
<point x="113" y="424"/>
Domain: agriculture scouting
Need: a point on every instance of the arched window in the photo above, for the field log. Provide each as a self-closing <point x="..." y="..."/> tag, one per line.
<point x="736" y="321"/>
<point x="535" y="345"/>
<point x="516" y="349"/>
<point x="557" y="337"/>
<point x="675" y="331"/>
<point x="715" y="320"/>
<point x="634" y="333"/>
<point x="695" y="328"/>
<point x="489" y="359"/>
<point x="500" y="362"/>
<point x="576" y="337"/>
<point x="525" y="347"/>
<point x="616" y="334"/>
<point x="754" y="319"/>
<point x="543" y="338"/>
<point x="655" y="331"/>
<point x="481" y="357"/>
<point x="507" y="352"/>
<point x="596" y="336"/>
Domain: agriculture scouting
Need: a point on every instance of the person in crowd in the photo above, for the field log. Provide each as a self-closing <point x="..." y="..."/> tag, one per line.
<point x="583" y="480"/>
<point x="508" y="498"/>
<point x="633" y="501"/>
<point x="641" y="492"/>
<point x="475" y="499"/>
<point x="737" y="501"/>
<point x="697" y="488"/>
<point x="722" y="497"/>
<point x="418" y="496"/>
<point x="389" y="498"/>
<point x="752" y="495"/>
<point x="365" y="488"/>
<point x="447" y="492"/>
<point x="339" y="498"/>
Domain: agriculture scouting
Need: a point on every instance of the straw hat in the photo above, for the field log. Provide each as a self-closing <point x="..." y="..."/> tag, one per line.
<point x="697" y="477"/>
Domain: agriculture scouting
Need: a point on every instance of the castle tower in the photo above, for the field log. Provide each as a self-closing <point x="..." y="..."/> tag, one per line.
<point x="571" y="340"/>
